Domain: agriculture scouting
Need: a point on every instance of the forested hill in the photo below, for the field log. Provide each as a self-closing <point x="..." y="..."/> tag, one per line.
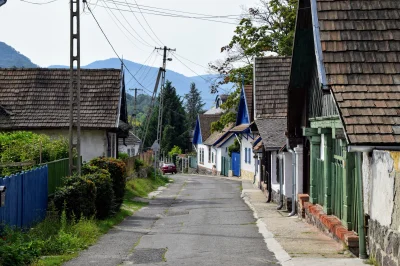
<point x="9" y="57"/>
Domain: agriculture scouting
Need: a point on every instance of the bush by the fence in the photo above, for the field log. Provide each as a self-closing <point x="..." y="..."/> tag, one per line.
<point x="138" y="164"/>
<point x="123" y="155"/>
<point x="117" y="170"/>
<point x="79" y="196"/>
<point x="104" y="191"/>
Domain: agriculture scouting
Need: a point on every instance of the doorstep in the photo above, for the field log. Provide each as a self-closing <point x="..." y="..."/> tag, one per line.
<point x="328" y="224"/>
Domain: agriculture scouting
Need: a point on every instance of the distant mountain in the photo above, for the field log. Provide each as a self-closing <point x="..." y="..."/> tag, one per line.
<point x="147" y="76"/>
<point x="9" y="57"/>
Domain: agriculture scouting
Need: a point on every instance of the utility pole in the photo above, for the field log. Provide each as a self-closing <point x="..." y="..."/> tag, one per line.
<point x="161" y="104"/>
<point x="75" y="88"/>
<point x="135" y="109"/>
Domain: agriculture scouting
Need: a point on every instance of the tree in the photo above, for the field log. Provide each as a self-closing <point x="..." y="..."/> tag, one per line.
<point x="193" y="105"/>
<point x="266" y="28"/>
<point x="174" y="124"/>
<point x="175" y="150"/>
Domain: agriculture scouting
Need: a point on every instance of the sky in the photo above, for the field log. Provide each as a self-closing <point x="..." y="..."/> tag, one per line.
<point x="41" y="32"/>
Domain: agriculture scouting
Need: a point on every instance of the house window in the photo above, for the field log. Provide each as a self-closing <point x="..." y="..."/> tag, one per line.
<point x="249" y="151"/>
<point x="245" y="155"/>
<point x="129" y="152"/>
<point x="201" y="155"/>
<point x="212" y="157"/>
<point x="209" y="153"/>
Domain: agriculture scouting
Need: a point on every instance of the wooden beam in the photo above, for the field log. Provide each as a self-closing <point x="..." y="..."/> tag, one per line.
<point x="324" y="130"/>
<point x="338" y="133"/>
<point x="309" y="132"/>
<point x="18" y="164"/>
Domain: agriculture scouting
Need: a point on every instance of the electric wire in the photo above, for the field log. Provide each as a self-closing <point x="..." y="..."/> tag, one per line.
<point x="142" y="65"/>
<point x="147" y="22"/>
<point x="129" y="24"/>
<point x="130" y="33"/>
<point x="141" y="23"/>
<point x="108" y="40"/>
<point x="126" y="36"/>
<point x="171" y="15"/>
<point x="39" y="3"/>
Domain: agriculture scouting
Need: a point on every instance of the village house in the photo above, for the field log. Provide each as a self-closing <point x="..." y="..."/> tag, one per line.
<point x="37" y="100"/>
<point x="243" y="162"/>
<point x="206" y="154"/>
<point x="343" y="111"/>
<point x="271" y="78"/>
<point x="129" y="145"/>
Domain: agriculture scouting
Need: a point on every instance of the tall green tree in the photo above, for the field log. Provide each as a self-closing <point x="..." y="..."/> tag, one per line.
<point x="268" y="27"/>
<point x="174" y="124"/>
<point x="193" y="105"/>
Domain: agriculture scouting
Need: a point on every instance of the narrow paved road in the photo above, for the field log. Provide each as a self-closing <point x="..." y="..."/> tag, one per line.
<point x="196" y="221"/>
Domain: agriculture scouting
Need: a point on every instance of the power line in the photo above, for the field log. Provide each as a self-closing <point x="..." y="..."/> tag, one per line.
<point x="131" y="26"/>
<point x="163" y="14"/>
<point x="142" y="65"/>
<point x="189" y="68"/>
<point x="147" y="22"/>
<point x="156" y="9"/>
<point x="39" y="3"/>
<point x="190" y="61"/>
<point x="122" y="62"/>
<point x="141" y="23"/>
<point x="109" y="12"/>
<point x="145" y="44"/>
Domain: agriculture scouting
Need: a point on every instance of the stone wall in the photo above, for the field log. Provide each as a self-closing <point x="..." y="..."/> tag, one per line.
<point x="383" y="244"/>
<point x="247" y="175"/>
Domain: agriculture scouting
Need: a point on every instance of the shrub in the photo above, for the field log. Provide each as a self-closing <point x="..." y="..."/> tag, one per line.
<point x="104" y="190"/>
<point x="138" y="164"/>
<point x="123" y="155"/>
<point x="117" y="170"/>
<point x="78" y="195"/>
<point x="16" y="249"/>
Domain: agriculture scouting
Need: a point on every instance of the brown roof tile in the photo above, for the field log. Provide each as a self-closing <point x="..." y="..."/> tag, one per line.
<point x="205" y="124"/>
<point x="271" y="81"/>
<point x="39" y="98"/>
<point x="361" y="53"/>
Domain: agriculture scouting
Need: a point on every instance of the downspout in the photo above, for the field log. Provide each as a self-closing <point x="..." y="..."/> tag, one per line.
<point x="255" y="169"/>
<point x="361" y="232"/>
<point x="280" y="206"/>
<point x="293" y="182"/>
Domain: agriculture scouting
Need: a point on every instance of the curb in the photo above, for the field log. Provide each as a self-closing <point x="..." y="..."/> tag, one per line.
<point x="280" y="254"/>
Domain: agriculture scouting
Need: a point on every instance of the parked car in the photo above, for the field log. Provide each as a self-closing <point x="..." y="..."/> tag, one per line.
<point x="168" y="168"/>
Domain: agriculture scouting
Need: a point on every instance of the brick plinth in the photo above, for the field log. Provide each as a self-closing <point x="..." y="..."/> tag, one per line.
<point x="331" y="226"/>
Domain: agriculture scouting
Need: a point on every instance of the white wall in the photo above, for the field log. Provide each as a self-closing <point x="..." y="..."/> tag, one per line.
<point x="93" y="142"/>
<point x="382" y="187"/>
<point x="124" y="149"/>
<point x="287" y="174"/>
<point x="246" y="143"/>
<point x="206" y="164"/>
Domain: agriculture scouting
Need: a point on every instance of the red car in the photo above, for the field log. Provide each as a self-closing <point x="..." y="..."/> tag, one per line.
<point x="168" y="168"/>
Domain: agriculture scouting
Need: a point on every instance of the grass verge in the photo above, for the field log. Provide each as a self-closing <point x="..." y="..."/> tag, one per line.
<point x="57" y="240"/>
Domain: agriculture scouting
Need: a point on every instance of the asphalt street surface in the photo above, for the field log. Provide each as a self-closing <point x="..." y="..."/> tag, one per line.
<point x="196" y="221"/>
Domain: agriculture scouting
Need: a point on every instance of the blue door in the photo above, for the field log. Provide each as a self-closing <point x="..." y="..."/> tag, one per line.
<point x="236" y="163"/>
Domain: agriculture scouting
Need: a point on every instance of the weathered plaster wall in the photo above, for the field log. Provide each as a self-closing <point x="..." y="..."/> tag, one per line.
<point x="382" y="188"/>
<point x="93" y="142"/>
<point x="381" y="176"/>
<point x="287" y="174"/>
<point x="244" y="174"/>
<point x="124" y="149"/>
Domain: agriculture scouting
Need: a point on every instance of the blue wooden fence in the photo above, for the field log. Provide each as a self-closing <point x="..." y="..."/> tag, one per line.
<point x="26" y="198"/>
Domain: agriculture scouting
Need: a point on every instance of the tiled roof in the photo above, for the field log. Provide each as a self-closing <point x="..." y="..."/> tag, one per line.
<point x="248" y="90"/>
<point x="132" y="139"/>
<point x="217" y="136"/>
<point x="271" y="82"/>
<point x="360" y="43"/>
<point x="272" y="131"/>
<point x="39" y="98"/>
<point x="240" y="128"/>
<point x="224" y="139"/>
<point x="205" y="124"/>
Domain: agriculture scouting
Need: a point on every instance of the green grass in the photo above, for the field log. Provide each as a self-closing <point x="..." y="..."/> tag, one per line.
<point x="141" y="187"/>
<point x="57" y="240"/>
